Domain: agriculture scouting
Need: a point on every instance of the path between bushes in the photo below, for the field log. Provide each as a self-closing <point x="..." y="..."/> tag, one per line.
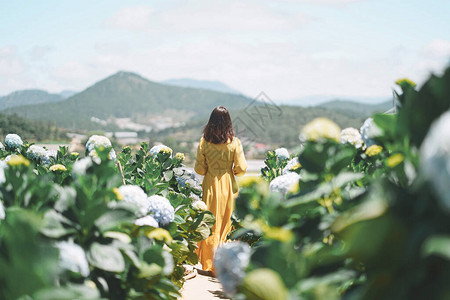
<point x="202" y="288"/>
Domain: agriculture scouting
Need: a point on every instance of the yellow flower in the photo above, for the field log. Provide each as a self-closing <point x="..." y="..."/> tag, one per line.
<point x="374" y="150"/>
<point x="58" y="167"/>
<point x="179" y="156"/>
<point x="320" y="128"/>
<point x="160" y="234"/>
<point x="394" y="160"/>
<point x="74" y="154"/>
<point x="275" y="233"/>
<point x="295" y="167"/>
<point x="406" y="82"/>
<point x="118" y="194"/>
<point x="18" y="160"/>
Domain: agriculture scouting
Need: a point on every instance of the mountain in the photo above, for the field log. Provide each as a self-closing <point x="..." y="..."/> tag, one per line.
<point x="202" y="84"/>
<point x="315" y="100"/>
<point x="26" y="97"/>
<point x="356" y="109"/>
<point x="128" y="95"/>
<point x="67" y="93"/>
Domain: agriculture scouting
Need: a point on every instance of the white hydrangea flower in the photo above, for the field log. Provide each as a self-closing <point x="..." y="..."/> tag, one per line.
<point x="97" y="141"/>
<point x="435" y="158"/>
<point x="2" y="211"/>
<point x="161" y="209"/>
<point x="146" y="221"/>
<point x="135" y="195"/>
<point x="38" y="153"/>
<point x="199" y="205"/>
<point x="73" y="258"/>
<point x="3" y="166"/>
<point x="80" y="167"/>
<point x="230" y="261"/>
<point x="369" y="131"/>
<point x="284" y="183"/>
<point x="352" y="136"/>
<point x="13" y="141"/>
<point x="282" y="153"/>
<point x="318" y="129"/>
<point x="160" y="148"/>
<point x="52" y="153"/>
<point x="168" y="263"/>
<point x="194" y="197"/>
<point x="2" y="147"/>
<point x="293" y="163"/>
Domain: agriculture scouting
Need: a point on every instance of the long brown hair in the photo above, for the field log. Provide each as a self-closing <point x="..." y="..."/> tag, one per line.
<point x="219" y="128"/>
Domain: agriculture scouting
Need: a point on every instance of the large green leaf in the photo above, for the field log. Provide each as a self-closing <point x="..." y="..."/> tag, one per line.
<point x="106" y="257"/>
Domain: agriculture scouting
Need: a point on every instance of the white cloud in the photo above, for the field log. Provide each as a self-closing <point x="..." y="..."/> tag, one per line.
<point x="10" y="62"/>
<point x="438" y="49"/>
<point x="195" y="16"/>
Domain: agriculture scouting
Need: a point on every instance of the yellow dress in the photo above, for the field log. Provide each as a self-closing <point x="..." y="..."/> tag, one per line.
<point x="220" y="163"/>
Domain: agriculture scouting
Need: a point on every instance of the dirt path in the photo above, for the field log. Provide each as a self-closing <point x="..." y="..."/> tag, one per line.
<point x="202" y="288"/>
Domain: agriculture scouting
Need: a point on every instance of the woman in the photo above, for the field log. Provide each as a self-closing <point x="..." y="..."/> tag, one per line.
<point x="220" y="157"/>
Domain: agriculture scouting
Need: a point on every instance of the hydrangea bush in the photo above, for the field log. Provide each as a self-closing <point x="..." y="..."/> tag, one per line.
<point x="368" y="220"/>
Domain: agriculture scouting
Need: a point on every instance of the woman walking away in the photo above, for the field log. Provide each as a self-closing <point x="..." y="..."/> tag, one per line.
<point x="220" y="157"/>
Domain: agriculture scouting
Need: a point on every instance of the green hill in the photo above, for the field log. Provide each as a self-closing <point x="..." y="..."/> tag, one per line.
<point x="30" y="130"/>
<point x="26" y="97"/>
<point x="280" y="128"/>
<point x="356" y="109"/>
<point x="128" y="95"/>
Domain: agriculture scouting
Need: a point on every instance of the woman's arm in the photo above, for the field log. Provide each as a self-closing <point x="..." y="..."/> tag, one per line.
<point x="200" y="162"/>
<point x="240" y="164"/>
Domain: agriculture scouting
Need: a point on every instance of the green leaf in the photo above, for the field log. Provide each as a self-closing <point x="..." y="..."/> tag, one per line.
<point x="106" y="257"/>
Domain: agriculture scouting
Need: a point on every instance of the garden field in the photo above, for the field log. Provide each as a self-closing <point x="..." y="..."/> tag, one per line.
<point x="355" y="214"/>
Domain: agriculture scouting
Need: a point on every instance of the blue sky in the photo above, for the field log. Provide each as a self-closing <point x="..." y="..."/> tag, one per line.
<point x="289" y="49"/>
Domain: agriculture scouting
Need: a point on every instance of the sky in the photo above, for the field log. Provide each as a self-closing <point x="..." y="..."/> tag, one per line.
<point x="289" y="49"/>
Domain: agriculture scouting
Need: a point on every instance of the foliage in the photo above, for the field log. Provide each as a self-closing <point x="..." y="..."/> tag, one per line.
<point x="74" y="204"/>
<point x="363" y="223"/>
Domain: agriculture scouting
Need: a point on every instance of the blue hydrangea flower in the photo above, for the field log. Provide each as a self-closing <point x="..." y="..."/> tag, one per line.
<point x="161" y="209"/>
<point x="72" y="258"/>
<point x="97" y="141"/>
<point x="282" y="153"/>
<point x="160" y="148"/>
<point x="369" y="131"/>
<point x="435" y="158"/>
<point x="230" y="261"/>
<point x="38" y="153"/>
<point x="13" y="141"/>
<point x="146" y="221"/>
<point x="284" y="183"/>
<point x="135" y="195"/>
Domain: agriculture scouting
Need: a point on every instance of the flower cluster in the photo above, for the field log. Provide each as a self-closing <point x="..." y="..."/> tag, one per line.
<point x="199" y="205"/>
<point x="373" y="150"/>
<point x="320" y="128"/>
<point x="352" y="136"/>
<point x="38" y="153"/>
<point x="179" y="156"/>
<point x="161" y="209"/>
<point x="2" y="211"/>
<point x="3" y="166"/>
<point x="160" y="149"/>
<point x="13" y="141"/>
<point x="230" y="262"/>
<point x="80" y="167"/>
<point x="291" y="166"/>
<point x="435" y="158"/>
<point x="73" y="258"/>
<point x="97" y="141"/>
<point x="284" y="183"/>
<point x="282" y="153"/>
<point x="58" y="167"/>
<point x="369" y="131"/>
<point x="146" y="221"/>
<point x="135" y="195"/>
